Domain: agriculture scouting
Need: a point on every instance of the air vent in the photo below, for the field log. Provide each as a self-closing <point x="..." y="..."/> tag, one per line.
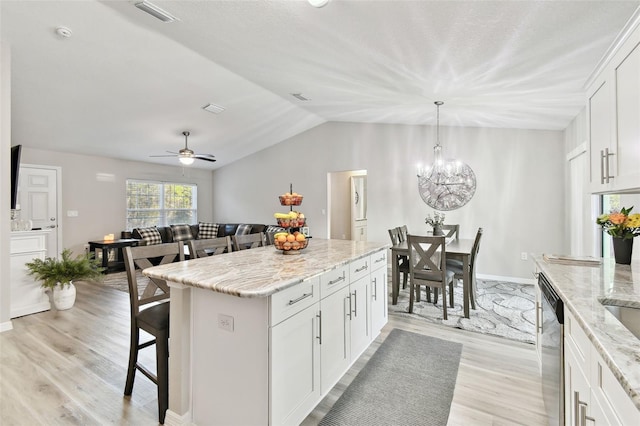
<point x="155" y="11"/>
<point x="299" y="97"/>
<point x="216" y="109"/>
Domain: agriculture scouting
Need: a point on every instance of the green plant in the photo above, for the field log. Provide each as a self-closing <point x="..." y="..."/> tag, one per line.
<point x="621" y="224"/>
<point x="63" y="270"/>
<point x="437" y="219"/>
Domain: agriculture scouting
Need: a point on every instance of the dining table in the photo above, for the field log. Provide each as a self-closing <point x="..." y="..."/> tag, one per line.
<point x="458" y="248"/>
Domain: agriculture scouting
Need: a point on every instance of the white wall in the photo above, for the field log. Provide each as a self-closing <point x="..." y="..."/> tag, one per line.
<point x="519" y="201"/>
<point x="101" y="204"/>
<point x="5" y="186"/>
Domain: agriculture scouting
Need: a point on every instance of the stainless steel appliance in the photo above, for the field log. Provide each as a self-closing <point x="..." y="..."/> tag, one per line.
<point x="552" y="337"/>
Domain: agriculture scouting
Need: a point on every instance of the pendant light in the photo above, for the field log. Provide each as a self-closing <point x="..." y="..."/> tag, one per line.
<point x="446" y="184"/>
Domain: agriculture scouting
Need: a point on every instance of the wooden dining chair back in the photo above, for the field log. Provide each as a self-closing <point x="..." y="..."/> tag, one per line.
<point x="249" y="241"/>
<point x="154" y="318"/>
<point x="451" y="231"/>
<point x="209" y="247"/>
<point x="427" y="267"/>
<point x="457" y="267"/>
<point x="402" y="262"/>
<point x="402" y="232"/>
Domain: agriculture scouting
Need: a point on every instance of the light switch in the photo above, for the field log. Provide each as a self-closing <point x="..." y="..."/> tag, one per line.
<point x="72" y="213"/>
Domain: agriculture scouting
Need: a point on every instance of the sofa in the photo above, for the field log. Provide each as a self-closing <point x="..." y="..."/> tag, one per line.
<point x="202" y="230"/>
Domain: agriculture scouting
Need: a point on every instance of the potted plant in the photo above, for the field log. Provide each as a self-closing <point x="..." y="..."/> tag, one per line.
<point x="436" y="222"/>
<point x="58" y="274"/>
<point x="623" y="227"/>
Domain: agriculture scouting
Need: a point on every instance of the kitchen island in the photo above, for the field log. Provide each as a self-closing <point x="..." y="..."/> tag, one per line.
<point x="258" y="337"/>
<point x="602" y="356"/>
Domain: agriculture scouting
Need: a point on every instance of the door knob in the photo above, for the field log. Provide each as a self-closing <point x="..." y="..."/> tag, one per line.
<point x="52" y="219"/>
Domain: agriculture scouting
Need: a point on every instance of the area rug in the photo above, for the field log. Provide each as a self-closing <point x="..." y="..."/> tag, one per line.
<point x="504" y="309"/>
<point x="409" y="380"/>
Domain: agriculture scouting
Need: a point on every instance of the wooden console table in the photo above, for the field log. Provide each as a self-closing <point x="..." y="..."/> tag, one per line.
<point x="104" y="249"/>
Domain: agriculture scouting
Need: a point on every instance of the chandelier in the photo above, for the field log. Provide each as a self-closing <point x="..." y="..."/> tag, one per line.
<point x="446" y="184"/>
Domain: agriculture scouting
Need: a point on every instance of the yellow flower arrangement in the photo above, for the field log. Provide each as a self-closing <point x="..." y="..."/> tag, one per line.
<point x="621" y="224"/>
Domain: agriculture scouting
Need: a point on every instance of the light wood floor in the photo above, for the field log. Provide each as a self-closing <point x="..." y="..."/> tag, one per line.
<point x="69" y="367"/>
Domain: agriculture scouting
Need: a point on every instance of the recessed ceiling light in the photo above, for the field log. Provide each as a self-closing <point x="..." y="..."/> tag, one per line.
<point x="63" y="32"/>
<point x="216" y="109"/>
<point x="318" y="3"/>
<point x="155" y="11"/>
<point x="299" y="97"/>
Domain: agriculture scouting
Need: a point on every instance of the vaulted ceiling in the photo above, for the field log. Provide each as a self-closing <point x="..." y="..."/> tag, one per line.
<point x="125" y="84"/>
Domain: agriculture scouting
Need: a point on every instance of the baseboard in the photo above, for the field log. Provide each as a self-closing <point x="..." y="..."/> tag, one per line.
<point x="172" y="418"/>
<point x="508" y="279"/>
<point x="6" y="326"/>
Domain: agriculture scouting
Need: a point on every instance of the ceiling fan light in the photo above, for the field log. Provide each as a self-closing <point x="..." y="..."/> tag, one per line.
<point x="187" y="161"/>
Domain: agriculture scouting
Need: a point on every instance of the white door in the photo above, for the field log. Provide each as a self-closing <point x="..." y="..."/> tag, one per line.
<point x="38" y="195"/>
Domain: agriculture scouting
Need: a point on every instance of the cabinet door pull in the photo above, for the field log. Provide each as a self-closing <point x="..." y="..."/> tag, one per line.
<point x="337" y="280"/>
<point x="304" y="296"/>
<point x="348" y="298"/>
<point x="607" y="154"/>
<point x="602" y="160"/>
<point x="375" y="289"/>
<point x="379" y="260"/>
<point x="319" y="336"/>
<point x="363" y="268"/>
<point x="355" y="303"/>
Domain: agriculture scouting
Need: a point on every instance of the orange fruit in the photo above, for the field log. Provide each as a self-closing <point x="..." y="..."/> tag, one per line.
<point x="295" y="245"/>
<point x="300" y="237"/>
<point x="282" y="238"/>
<point x="291" y="238"/>
<point x="287" y="246"/>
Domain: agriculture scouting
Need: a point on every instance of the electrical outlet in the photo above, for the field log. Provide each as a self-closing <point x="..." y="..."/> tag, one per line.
<point x="523" y="255"/>
<point x="225" y="322"/>
<point x="72" y="213"/>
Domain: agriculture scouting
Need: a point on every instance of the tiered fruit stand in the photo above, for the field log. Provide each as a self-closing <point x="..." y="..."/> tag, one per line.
<point x="292" y="241"/>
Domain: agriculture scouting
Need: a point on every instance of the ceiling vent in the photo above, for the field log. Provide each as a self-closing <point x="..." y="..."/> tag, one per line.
<point x="155" y="11"/>
<point x="299" y="97"/>
<point x="216" y="109"/>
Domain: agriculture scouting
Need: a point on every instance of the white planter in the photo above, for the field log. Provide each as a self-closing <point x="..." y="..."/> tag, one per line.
<point x="64" y="297"/>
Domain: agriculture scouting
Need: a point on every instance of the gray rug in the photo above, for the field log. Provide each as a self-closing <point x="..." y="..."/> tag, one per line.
<point x="504" y="309"/>
<point x="409" y="380"/>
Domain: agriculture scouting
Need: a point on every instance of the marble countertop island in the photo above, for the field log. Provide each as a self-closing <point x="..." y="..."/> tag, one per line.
<point x="262" y="271"/>
<point x="583" y="289"/>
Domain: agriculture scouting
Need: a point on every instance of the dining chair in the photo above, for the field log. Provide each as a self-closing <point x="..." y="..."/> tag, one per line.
<point x="243" y="242"/>
<point x="428" y="267"/>
<point x="451" y="231"/>
<point x="456" y="267"/>
<point x="209" y="247"/>
<point x="402" y="261"/>
<point x="154" y="319"/>
<point x="402" y="232"/>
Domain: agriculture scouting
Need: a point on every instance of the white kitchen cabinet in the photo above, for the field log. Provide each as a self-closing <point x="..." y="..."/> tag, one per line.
<point x="613" y="112"/>
<point x="359" y="316"/>
<point x="295" y="367"/>
<point x="378" y="292"/>
<point x="335" y="347"/>
<point x="592" y="394"/>
<point x="27" y="295"/>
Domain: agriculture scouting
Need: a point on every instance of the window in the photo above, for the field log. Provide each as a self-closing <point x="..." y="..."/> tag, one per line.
<point x="160" y="203"/>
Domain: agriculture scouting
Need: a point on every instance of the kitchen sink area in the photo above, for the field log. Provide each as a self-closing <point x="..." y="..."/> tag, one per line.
<point x="628" y="316"/>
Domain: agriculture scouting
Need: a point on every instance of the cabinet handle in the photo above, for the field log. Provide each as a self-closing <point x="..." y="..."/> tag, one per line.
<point x="364" y="268"/>
<point x="583" y="414"/>
<point x="355" y="303"/>
<point x="319" y="336"/>
<point x="602" y="159"/>
<point x="337" y="280"/>
<point x="379" y="260"/>
<point x="349" y="308"/>
<point x="375" y="289"/>
<point x="539" y="316"/>
<point x="605" y="158"/>
<point x="304" y="296"/>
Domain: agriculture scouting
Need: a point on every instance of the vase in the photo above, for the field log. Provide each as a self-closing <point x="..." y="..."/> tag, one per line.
<point x="64" y="296"/>
<point x="622" y="249"/>
<point x="437" y="230"/>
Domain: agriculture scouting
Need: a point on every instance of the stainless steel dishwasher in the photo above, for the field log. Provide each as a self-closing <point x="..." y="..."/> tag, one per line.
<point x="552" y="335"/>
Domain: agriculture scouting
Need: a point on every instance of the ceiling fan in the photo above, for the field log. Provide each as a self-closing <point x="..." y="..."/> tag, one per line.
<point x="187" y="156"/>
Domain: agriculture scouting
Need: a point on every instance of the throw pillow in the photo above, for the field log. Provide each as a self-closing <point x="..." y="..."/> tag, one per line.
<point x="243" y="229"/>
<point x="181" y="232"/>
<point x="272" y="229"/>
<point x="150" y="236"/>
<point x="208" y="230"/>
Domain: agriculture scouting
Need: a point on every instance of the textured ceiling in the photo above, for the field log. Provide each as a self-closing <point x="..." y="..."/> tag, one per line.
<point x="125" y="85"/>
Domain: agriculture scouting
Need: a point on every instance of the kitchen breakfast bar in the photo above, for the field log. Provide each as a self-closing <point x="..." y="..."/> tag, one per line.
<point x="259" y="338"/>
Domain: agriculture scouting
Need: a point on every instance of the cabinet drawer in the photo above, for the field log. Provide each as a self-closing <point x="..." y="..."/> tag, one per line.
<point x="294" y="299"/>
<point x="334" y="280"/>
<point x="378" y="260"/>
<point x="359" y="268"/>
<point x="574" y="335"/>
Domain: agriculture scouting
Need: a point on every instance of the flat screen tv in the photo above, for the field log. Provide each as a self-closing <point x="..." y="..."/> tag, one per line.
<point x="15" y="169"/>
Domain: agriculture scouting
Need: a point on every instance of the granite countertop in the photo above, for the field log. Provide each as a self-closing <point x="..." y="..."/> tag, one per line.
<point x="262" y="271"/>
<point x="583" y="288"/>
